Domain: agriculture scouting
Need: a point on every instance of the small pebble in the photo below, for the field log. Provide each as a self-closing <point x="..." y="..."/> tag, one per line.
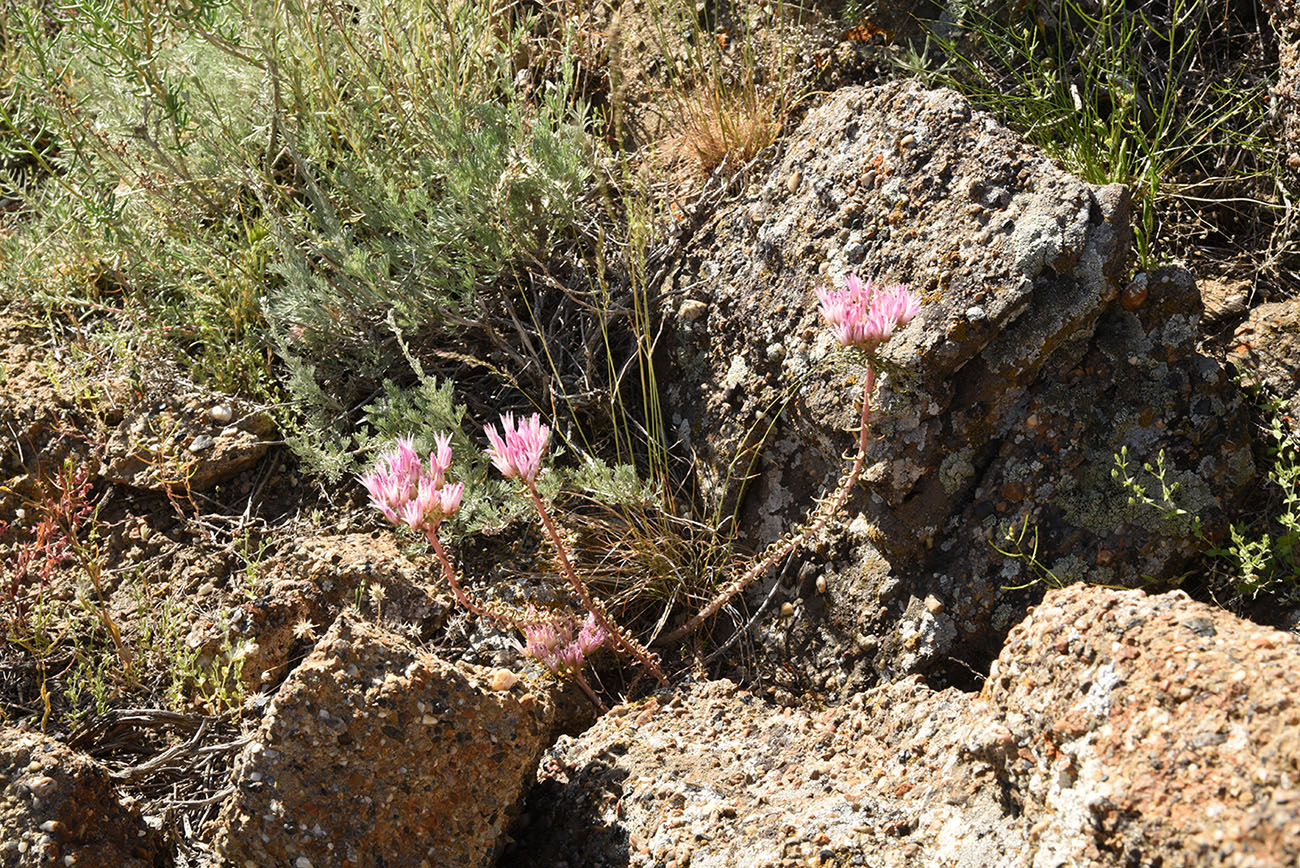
<point x="503" y="679"/>
<point x="42" y="786"/>
<point x="221" y="413"/>
<point x="692" y="309"/>
<point x="201" y="443"/>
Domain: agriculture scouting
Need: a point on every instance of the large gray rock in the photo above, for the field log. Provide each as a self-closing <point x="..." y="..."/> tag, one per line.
<point x="60" y="807"/>
<point x="1115" y="729"/>
<point x="374" y="753"/>
<point x="1010" y="393"/>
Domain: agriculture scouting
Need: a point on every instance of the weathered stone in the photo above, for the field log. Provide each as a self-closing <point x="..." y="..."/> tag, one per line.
<point x="59" y="807"/>
<point x="1266" y="348"/>
<point x="375" y="753"/>
<point x="1002" y="404"/>
<point x="1285" y="16"/>
<point x="1109" y="733"/>
<point x="1151" y="725"/>
<point x="309" y="586"/>
<point x="719" y="778"/>
<point x="965" y="213"/>
<point x="174" y="441"/>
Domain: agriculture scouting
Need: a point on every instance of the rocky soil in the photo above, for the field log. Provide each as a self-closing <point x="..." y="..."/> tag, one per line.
<point x="903" y="693"/>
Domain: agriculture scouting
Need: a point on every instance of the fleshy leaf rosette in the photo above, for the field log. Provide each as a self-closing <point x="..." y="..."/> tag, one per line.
<point x="865" y="315"/>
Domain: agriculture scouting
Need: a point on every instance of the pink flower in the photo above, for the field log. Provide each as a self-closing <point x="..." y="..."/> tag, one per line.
<point x="592" y="635"/>
<point x="519" y="452"/>
<point x="553" y="644"/>
<point x="440" y="458"/>
<point x="407" y="493"/>
<point x="449" y="498"/>
<point x="866" y="314"/>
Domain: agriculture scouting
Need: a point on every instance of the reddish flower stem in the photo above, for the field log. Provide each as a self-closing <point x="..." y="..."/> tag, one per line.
<point x="783" y="548"/>
<point x="620" y="637"/>
<point x="586" y="688"/>
<point x="461" y="596"/>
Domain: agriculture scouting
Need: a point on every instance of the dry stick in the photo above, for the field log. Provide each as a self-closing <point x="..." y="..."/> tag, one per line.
<point x="621" y="639"/>
<point x="783" y="549"/>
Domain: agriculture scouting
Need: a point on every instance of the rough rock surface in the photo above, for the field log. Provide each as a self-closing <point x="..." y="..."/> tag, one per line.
<point x="1285" y="15"/>
<point x="1115" y="729"/>
<point x="44" y="404"/>
<point x="1266" y="348"/>
<point x="374" y="753"/>
<point x="1028" y="368"/>
<point x="185" y="441"/>
<point x="310" y="585"/>
<point x="1153" y="725"/>
<point x="59" y="807"/>
<point x="27" y="403"/>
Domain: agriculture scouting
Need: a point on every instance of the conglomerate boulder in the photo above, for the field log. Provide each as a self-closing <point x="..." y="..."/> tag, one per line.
<point x="60" y="807"/>
<point x="1266" y="349"/>
<point x="1285" y="16"/>
<point x="1115" y="729"/>
<point x="1033" y="362"/>
<point x="375" y="753"/>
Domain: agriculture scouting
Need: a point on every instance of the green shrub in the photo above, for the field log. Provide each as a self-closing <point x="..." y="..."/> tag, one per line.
<point x="224" y="179"/>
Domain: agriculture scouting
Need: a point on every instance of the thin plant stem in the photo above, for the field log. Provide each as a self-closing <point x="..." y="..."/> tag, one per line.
<point x="783" y="548"/>
<point x="461" y="596"/>
<point x="620" y="637"/>
<point x="586" y="688"/>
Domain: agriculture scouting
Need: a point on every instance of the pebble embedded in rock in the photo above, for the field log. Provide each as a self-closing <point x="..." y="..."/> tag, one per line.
<point x="201" y="444"/>
<point x="221" y="414"/>
<point x="692" y="309"/>
<point x="503" y="679"/>
<point x="42" y="786"/>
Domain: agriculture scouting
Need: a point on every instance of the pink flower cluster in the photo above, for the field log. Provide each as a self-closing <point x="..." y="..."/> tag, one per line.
<point x="554" y="645"/>
<point x="407" y="492"/>
<point x="866" y="314"/>
<point x="519" y="452"/>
